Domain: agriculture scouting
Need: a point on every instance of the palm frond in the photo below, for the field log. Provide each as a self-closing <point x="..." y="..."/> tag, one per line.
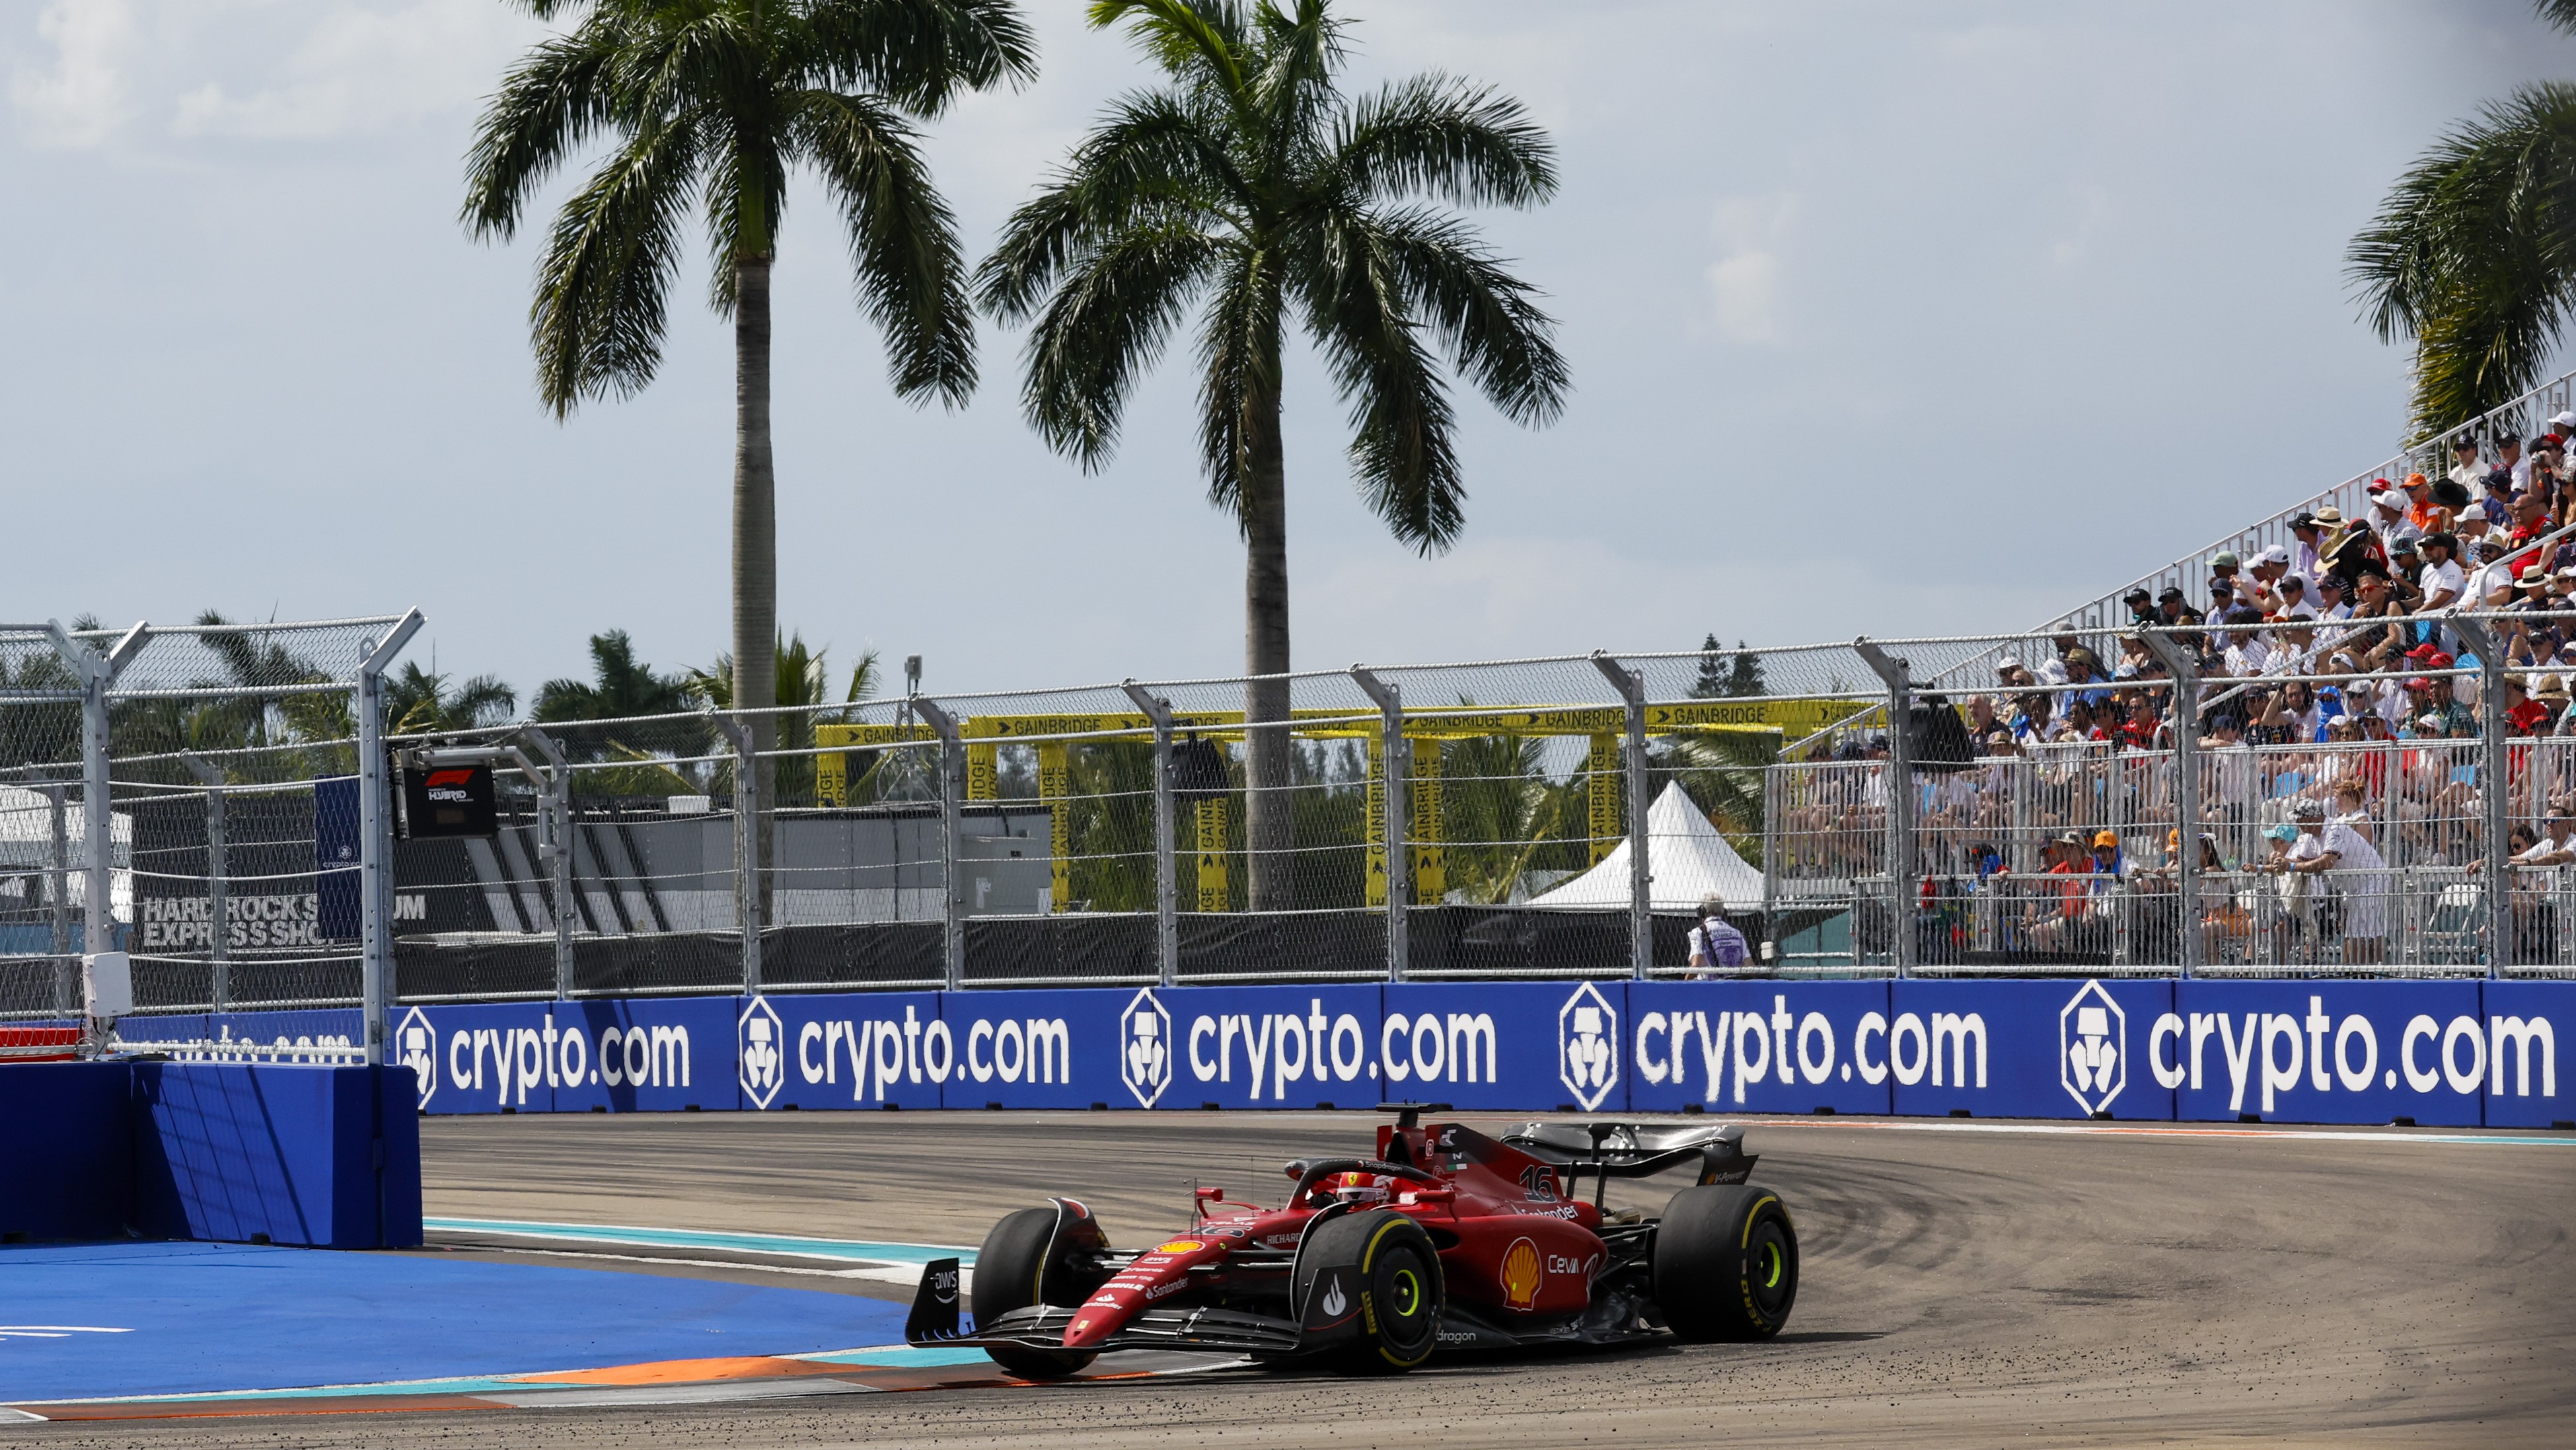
<point x="1440" y="136"/>
<point x="1488" y="319"/>
<point x="1201" y="41"/>
<point x="1239" y="388"/>
<point x="549" y="105"/>
<point x="903" y="240"/>
<point x="599" y="314"/>
<point x="1107" y="322"/>
<point x="918" y="54"/>
<point x="1402" y="423"/>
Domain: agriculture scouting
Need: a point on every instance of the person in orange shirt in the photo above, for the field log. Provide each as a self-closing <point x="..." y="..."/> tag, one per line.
<point x="2421" y="511"/>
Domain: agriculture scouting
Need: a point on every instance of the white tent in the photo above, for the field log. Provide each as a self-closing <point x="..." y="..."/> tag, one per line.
<point x="1690" y="861"/>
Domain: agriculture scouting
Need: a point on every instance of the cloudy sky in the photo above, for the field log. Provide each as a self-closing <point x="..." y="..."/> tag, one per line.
<point x="1883" y="318"/>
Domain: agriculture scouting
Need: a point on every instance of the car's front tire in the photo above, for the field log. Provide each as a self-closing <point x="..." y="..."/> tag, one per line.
<point x="1022" y="1264"/>
<point x="1726" y="1263"/>
<point x="1397" y="1273"/>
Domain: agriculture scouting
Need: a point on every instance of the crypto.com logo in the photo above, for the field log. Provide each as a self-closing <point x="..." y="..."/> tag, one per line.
<point x="762" y="1040"/>
<point x="416" y="1047"/>
<point x="1145" y="1048"/>
<point x="1587" y="1053"/>
<point x="2092" y="1048"/>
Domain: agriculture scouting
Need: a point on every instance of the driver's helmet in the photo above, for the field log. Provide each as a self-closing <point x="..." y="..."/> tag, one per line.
<point x="1359" y="1187"/>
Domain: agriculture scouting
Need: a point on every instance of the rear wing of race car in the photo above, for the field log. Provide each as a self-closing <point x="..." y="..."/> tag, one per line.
<point x="1604" y="1149"/>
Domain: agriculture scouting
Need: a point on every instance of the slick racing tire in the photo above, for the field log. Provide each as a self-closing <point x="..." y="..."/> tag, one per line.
<point x="1401" y="1293"/>
<point x="1726" y="1263"/>
<point x="1015" y="1270"/>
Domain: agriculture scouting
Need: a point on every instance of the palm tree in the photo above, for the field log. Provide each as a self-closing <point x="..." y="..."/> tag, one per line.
<point x="805" y="687"/>
<point x="420" y="702"/>
<point x="710" y="103"/>
<point x="1251" y="183"/>
<point x="2473" y="255"/>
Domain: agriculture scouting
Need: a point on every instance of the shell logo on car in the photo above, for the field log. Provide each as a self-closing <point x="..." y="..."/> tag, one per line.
<point x="1520" y="1274"/>
<point x="1180" y="1246"/>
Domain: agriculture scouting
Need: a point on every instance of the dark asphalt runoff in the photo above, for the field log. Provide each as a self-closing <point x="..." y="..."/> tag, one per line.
<point x="1965" y="1284"/>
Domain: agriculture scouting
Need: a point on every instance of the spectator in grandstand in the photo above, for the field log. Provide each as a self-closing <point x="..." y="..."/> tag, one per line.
<point x="2290" y="598"/>
<point x="2437" y="700"/>
<point x="2309" y="533"/>
<point x="2490" y="583"/>
<point x="2465" y="468"/>
<point x="2246" y="652"/>
<point x="2441" y="584"/>
<point x="2421" y="508"/>
<point x="2530" y="513"/>
<point x="2510" y="462"/>
<point x="1983" y="727"/>
<point x="2497" y="501"/>
<point x="2523" y="715"/>
<point x="2033" y="721"/>
<point x="2325" y="846"/>
<point x="2173" y="608"/>
<point x="1715" y="942"/>
<point x="2053" y="669"/>
<point x="2223" y="583"/>
<point x="2142" y="605"/>
<point x="2386" y="516"/>
<point x="2331" y="605"/>
<point x="2553" y="694"/>
<point x="2405" y="574"/>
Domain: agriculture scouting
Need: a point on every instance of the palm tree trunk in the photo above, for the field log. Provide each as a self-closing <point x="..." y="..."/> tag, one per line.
<point x="755" y="546"/>
<point x="1268" y="832"/>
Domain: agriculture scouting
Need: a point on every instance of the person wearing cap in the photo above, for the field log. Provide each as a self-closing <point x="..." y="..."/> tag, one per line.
<point x="2223" y="583"/>
<point x="2524" y="715"/>
<point x="2307" y="534"/>
<point x="2386" y="516"/>
<point x="2440" y="700"/>
<point x="2052" y="670"/>
<point x="2173" y="608"/>
<point x="2510" y="462"/>
<point x="2497" y="501"/>
<point x="2330" y="603"/>
<point x="1715" y="942"/>
<point x="2441" y="582"/>
<point x="2334" y="846"/>
<point x="2490" y="578"/>
<point x="2465" y="470"/>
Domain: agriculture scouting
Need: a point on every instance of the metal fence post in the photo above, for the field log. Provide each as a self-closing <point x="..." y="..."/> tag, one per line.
<point x="218" y="933"/>
<point x="1900" y="801"/>
<point x="2492" y="793"/>
<point x="1775" y="781"/>
<point x="2186" y="765"/>
<point x="59" y="880"/>
<point x="1395" y="767"/>
<point x="746" y="845"/>
<point x="1167" y="878"/>
<point x="554" y="847"/>
<point x="376" y="838"/>
<point x="98" y="837"/>
<point x="952" y="826"/>
<point x="1641" y="901"/>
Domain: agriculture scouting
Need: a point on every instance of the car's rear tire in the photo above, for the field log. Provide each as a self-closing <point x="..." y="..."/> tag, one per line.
<point x="1401" y="1293"/>
<point x="1014" y="1270"/>
<point x="1726" y="1263"/>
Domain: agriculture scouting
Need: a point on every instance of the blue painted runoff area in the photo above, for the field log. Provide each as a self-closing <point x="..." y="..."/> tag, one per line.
<point x="98" y="1321"/>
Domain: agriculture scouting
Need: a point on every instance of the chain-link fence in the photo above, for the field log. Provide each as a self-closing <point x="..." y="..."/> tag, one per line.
<point x="1559" y="817"/>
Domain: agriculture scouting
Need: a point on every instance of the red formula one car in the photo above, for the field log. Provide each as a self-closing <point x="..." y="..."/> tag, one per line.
<point x="1445" y="1239"/>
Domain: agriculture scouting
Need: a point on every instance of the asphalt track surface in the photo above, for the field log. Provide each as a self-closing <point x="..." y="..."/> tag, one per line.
<point x="1964" y="1284"/>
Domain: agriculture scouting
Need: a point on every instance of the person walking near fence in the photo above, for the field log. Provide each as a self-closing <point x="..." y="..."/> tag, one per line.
<point x="1715" y="942"/>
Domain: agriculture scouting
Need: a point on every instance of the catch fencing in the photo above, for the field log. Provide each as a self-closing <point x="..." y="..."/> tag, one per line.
<point x="1533" y="819"/>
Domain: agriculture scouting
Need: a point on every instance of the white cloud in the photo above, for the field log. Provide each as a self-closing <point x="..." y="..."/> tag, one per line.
<point x="363" y="69"/>
<point x="1744" y="285"/>
<point x="81" y="99"/>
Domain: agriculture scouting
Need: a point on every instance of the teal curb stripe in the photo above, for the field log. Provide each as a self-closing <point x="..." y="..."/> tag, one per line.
<point x="849" y="1250"/>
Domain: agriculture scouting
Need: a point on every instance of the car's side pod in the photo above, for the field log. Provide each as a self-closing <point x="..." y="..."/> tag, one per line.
<point x="934" y="1304"/>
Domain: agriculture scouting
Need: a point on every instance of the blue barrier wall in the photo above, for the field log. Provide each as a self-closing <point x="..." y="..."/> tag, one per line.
<point x="2326" y="1051"/>
<point x="321" y="1156"/>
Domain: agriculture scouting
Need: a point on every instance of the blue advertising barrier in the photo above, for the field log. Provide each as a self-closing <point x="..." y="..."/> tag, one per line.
<point x="2447" y="1052"/>
<point x="844" y="1050"/>
<point x="2325" y="1051"/>
<point x="1259" y="1047"/>
<point x="2021" y="1049"/>
<point x="1513" y="1046"/>
<point x="1756" y="1047"/>
<point x="2524" y="1089"/>
<point x="322" y="1156"/>
<point x="1053" y="1049"/>
<point x="328" y="1157"/>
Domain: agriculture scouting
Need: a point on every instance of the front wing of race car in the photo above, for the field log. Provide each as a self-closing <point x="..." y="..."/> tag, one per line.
<point x="1331" y="1318"/>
